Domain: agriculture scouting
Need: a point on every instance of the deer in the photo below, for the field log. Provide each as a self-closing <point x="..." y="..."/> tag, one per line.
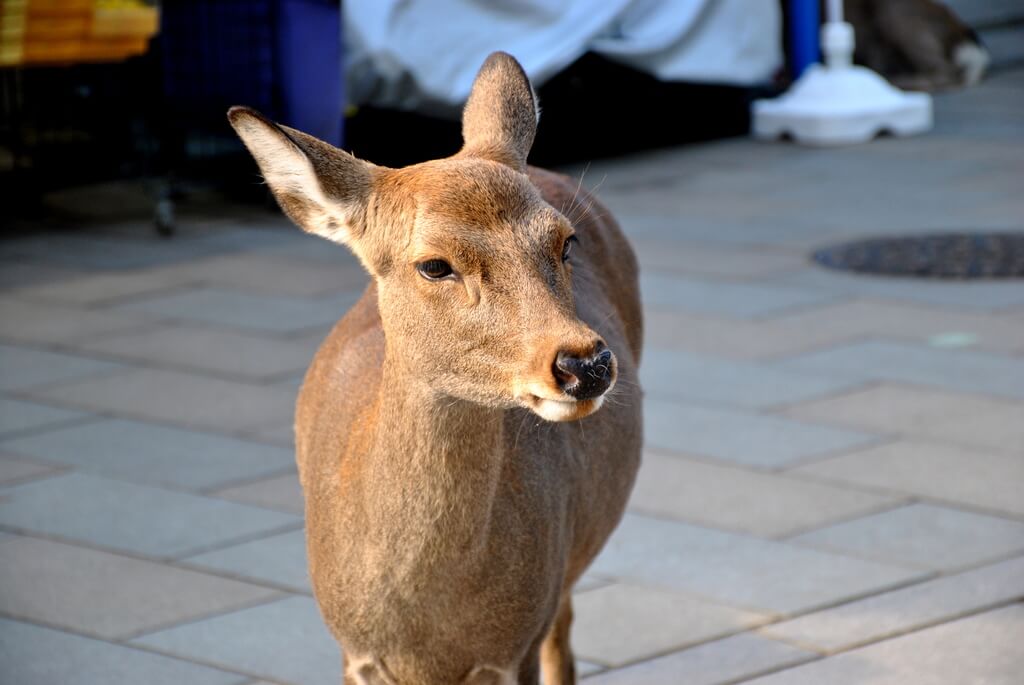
<point x="468" y="434"/>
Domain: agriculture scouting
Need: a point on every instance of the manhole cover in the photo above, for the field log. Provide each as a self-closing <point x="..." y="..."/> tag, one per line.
<point x="945" y="255"/>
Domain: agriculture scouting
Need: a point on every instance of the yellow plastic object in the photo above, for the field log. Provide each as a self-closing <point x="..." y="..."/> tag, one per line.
<point x="53" y="32"/>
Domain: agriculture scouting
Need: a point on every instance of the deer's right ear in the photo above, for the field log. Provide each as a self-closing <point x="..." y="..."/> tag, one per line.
<point x="321" y="188"/>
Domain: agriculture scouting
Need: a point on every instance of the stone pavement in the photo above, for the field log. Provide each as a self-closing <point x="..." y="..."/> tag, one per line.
<point x="833" y="487"/>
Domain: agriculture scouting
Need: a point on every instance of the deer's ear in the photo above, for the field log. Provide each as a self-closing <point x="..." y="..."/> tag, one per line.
<point x="321" y="188"/>
<point x="500" y="118"/>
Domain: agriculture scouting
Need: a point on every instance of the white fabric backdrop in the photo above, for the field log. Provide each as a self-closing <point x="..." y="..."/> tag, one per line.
<point x="423" y="54"/>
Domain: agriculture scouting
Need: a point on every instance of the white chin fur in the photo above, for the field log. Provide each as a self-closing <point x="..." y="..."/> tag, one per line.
<point x="973" y="61"/>
<point x="555" y="410"/>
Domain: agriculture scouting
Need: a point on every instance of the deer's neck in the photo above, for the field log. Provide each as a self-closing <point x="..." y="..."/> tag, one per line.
<point x="432" y="472"/>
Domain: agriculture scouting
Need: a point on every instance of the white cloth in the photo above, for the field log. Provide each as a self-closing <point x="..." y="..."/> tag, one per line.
<point x="423" y="54"/>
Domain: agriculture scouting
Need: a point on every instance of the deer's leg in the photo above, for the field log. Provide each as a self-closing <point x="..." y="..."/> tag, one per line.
<point x="556" y="657"/>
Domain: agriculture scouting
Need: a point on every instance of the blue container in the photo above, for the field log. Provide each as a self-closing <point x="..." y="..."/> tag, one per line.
<point x="804" y="29"/>
<point x="282" y="57"/>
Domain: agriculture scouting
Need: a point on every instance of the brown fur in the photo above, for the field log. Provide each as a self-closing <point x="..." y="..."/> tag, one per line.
<point x="913" y="43"/>
<point x="446" y="521"/>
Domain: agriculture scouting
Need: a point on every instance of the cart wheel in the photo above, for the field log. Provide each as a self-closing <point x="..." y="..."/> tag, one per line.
<point x="163" y="217"/>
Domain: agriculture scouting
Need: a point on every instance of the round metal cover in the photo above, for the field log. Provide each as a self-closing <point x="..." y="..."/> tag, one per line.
<point x="943" y="255"/>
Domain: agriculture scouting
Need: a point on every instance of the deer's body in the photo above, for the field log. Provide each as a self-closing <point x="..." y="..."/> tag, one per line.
<point x="446" y="519"/>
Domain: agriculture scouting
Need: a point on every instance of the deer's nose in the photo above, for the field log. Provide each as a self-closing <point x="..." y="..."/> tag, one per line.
<point x="584" y="378"/>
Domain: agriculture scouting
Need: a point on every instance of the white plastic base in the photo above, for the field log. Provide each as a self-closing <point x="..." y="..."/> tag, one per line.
<point x="841" y="106"/>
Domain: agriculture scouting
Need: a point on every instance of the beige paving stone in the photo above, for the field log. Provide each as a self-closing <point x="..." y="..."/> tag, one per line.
<point x="265" y="273"/>
<point x="715" y="663"/>
<point x="282" y="492"/>
<point x="922" y="535"/>
<point x="906" y="609"/>
<point x="108" y="595"/>
<point x="223" y="352"/>
<point x="175" y="397"/>
<point x="979" y="650"/>
<point x="617" y="624"/>
<point x="54" y="324"/>
<point x="18" y="470"/>
<point x="978" y="479"/>
<point x="910" y="410"/>
<point x="744" y="501"/>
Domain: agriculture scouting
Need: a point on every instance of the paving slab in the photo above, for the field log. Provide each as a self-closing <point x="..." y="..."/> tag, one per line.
<point x="134" y="518"/>
<point x="18" y="416"/>
<point x="764" y="441"/>
<point x="276" y="274"/>
<point x="14" y="470"/>
<point x="283" y="641"/>
<point x="960" y="370"/>
<point x="273" y="313"/>
<point x="979" y="649"/>
<point x="176" y="397"/>
<point x="155" y="455"/>
<point x="715" y="663"/>
<point x="278" y="559"/>
<point x="106" y="287"/>
<point x="957" y="417"/>
<point x="738" y="570"/>
<point x="744" y="501"/>
<point x="23" y="367"/>
<point x="37" y="322"/>
<point x="618" y="623"/>
<point x="208" y="350"/>
<point x="33" y="655"/>
<point x="281" y="492"/>
<point x="696" y="259"/>
<point x="674" y="374"/>
<point x="108" y="595"/>
<point x="906" y="609"/>
<point x="977" y="479"/>
<point x="922" y="535"/>
<point x="725" y="298"/>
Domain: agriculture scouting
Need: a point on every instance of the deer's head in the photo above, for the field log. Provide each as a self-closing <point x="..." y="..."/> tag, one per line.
<point x="473" y="268"/>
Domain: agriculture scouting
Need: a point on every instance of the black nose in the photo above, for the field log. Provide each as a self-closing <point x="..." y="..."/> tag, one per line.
<point x="584" y="378"/>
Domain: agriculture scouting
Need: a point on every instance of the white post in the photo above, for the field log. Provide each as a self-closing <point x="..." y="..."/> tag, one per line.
<point x="835" y="11"/>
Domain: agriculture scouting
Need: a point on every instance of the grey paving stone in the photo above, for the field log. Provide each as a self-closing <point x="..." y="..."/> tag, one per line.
<point x="16" y="415"/>
<point x="107" y="595"/>
<point x="961" y="370"/>
<point x="278" y="559"/>
<point x="741" y="437"/>
<point x="711" y="260"/>
<point x="32" y="655"/>
<point x="135" y="518"/>
<point x="274" y="273"/>
<point x="723" y="298"/>
<point x="737" y="570"/>
<point x="106" y="287"/>
<point x="674" y="374"/>
<point x="918" y="411"/>
<point x="906" y="609"/>
<point x="22" y="367"/>
<point x="950" y="473"/>
<point x="975" y="295"/>
<point x="175" y="397"/>
<point x="283" y="641"/>
<point x="922" y="535"/>
<point x="14" y="470"/>
<point x="714" y="663"/>
<point x="982" y="649"/>
<point x="617" y="624"/>
<point x="244" y="310"/>
<point x="40" y="322"/>
<point x="281" y="492"/>
<point x="152" y="454"/>
<point x="740" y="500"/>
<point x="222" y="352"/>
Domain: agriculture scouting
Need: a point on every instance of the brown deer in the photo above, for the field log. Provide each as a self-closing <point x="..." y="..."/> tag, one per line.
<point x="446" y="523"/>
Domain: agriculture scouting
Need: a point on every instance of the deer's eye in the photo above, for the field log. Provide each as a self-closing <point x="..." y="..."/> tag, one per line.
<point x="567" y="247"/>
<point x="434" y="269"/>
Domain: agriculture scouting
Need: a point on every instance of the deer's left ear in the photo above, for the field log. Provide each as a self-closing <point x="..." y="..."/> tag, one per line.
<point x="500" y="118"/>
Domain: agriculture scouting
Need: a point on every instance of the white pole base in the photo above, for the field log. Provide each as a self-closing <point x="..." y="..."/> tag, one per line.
<point x="841" y="104"/>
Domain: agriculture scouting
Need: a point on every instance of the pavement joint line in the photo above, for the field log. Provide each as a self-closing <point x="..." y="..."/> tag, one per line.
<point x="117" y="643"/>
<point x="881" y="508"/>
<point x="866" y="385"/>
<point x="877" y="440"/>
<point x="212" y="490"/>
<point x="47" y="427"/>
<point x="127" y="638"/>
<point x="23" y="480"/>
